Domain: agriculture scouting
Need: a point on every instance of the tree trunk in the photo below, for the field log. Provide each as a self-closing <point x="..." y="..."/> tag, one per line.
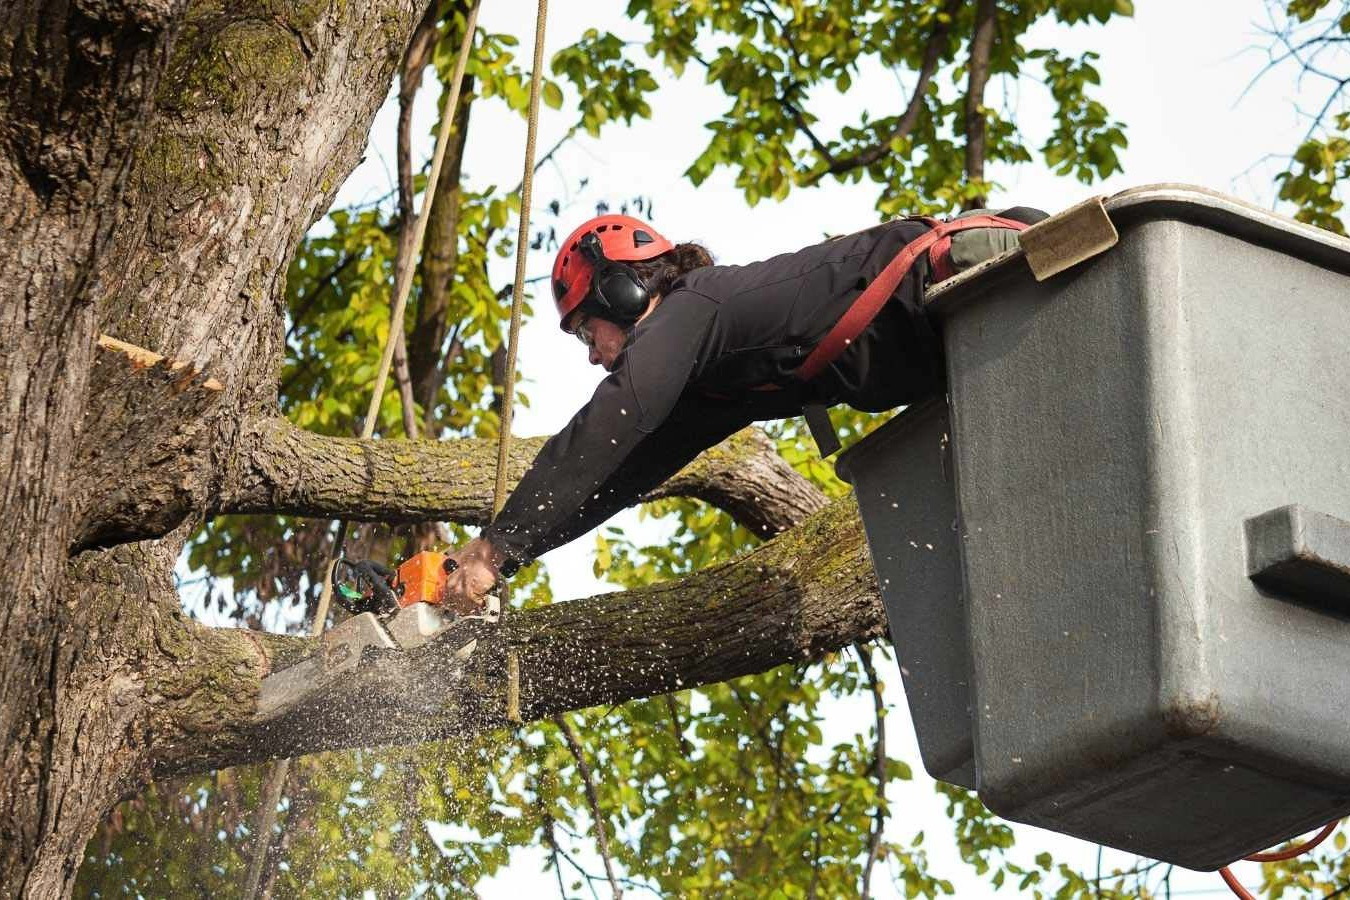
<point x="75" y="87"/>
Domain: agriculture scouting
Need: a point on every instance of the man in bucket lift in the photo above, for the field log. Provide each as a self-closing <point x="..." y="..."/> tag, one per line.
<point x="695" y="352"/>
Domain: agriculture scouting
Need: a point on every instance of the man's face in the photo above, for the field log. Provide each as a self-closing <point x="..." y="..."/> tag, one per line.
<point x="602" y="338"/>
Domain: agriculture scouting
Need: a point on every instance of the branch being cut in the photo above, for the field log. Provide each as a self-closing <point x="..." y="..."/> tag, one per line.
<point x="799" y="596"/>
<point x="286" y="470"/>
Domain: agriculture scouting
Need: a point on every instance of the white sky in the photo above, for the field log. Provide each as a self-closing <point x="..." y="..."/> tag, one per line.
<point x="1173" y="74"/>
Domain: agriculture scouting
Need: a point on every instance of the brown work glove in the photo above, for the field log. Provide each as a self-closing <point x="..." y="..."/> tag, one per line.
<point x="477" y="567"/>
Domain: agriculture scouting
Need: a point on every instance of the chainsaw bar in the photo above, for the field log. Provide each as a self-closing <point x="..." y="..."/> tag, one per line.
<point x="343" y="646"/>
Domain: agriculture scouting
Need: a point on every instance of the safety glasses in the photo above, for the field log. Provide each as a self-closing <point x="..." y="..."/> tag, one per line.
<point x="584" y="333"/>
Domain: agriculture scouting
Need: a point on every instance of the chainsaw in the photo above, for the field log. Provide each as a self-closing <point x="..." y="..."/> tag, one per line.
<point x="408" y="601"/>
<point x="391" y="609"/>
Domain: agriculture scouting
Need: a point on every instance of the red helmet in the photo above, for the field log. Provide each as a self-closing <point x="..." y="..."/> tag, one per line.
<point x="622" y="238"/>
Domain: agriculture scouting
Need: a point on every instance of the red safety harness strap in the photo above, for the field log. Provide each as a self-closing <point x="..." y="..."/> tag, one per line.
<point x="874" y="296"/>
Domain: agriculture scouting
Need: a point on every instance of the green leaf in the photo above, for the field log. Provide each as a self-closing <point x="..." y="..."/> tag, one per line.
<point x="552" y="95"/>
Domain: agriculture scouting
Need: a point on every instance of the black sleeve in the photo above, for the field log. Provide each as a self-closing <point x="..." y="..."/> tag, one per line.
<point x="693" y="426"/>
<point x="626" y="440"/>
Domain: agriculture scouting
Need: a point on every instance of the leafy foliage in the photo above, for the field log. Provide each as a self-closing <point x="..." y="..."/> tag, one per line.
<point x="776" y="806"/>
<point x="779" y="63"/>
<point x="1324" y="872"/>
<point x="1313" y="36"/>
<point x="1314" y="182"/>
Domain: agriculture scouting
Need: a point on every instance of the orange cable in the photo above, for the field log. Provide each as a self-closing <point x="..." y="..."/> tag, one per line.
<point x="1276" y="856"/>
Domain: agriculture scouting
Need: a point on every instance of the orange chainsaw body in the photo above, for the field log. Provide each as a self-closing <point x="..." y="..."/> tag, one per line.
<point x="421" y="579"/>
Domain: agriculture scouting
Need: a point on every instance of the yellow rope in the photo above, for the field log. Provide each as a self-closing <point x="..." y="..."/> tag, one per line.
<point x="513" y="339"/>
<point x="402" y="287"/>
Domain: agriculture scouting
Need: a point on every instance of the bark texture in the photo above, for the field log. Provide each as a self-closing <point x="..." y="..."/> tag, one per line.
<point x="285" y="469"/>
<point x="76" y="83"/>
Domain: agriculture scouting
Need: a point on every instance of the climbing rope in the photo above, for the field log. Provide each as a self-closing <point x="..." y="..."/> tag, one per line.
<point x="276" y="783"/>
<point x="513" y="337"/>
<point x="402" y="287"/>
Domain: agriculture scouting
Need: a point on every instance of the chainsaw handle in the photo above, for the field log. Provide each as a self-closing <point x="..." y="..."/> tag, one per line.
<point x="379" y="568"/>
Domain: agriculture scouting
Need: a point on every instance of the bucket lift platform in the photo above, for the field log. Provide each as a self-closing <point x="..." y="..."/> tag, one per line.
<point x="1117" y="568"/>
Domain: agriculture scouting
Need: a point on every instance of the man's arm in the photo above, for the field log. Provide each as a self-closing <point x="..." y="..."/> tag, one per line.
<point x="607" y="456"/>
<point x="695" y="424"/>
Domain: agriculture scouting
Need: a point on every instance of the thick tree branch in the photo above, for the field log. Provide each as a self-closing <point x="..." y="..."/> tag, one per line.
<point x="805" y="593"/>
<point x="437" y="266"/>
<point x="415" y="60"/>
<point x="286" y="470"/>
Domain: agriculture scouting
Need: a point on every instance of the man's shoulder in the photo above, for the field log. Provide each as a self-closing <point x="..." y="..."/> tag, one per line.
<point x="682" y="316"/>
<point x="709" y="283"/>
<point x="687" y="302"/>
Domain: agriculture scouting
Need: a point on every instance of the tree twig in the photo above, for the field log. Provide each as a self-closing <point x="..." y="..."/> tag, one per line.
<point x="815" y="868"/>
<point x="325" y="281"/>
<point x="932" y="56"/>
<point x="586" y="876"/>
<point x="597" y="815"/>
<point x="551" y="839"/>
<point x="981" y="47"/>
<point x="878" y="769"/>
<point x="677" y="727"/>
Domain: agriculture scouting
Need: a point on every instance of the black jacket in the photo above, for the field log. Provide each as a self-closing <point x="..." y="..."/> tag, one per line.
<point x="685" y="379"/>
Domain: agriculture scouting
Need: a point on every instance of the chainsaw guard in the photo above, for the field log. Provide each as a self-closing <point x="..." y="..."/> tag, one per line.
<point x="340" y="650"/>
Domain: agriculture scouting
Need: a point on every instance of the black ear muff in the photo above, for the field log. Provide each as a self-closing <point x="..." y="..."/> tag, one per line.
<point x="617" y="293"/>
<point x="622" y="293"/>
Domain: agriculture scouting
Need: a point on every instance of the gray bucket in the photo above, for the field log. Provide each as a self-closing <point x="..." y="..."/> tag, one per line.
<point x="907" y="498"/>
<point x="1158" y="646"/>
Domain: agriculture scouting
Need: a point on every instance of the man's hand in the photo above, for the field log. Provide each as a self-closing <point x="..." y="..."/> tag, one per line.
<point x="363" y="585"/>
<point x="477" y="565"/>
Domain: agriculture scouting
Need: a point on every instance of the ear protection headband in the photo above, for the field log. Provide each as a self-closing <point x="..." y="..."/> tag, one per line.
<point x="617" y="293"/>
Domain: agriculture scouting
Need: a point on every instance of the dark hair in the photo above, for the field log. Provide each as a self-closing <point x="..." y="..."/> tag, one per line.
<point x="660" y="273"/>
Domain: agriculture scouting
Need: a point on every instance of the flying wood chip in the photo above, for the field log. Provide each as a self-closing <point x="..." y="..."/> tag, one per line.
<point x="144" y="358"/>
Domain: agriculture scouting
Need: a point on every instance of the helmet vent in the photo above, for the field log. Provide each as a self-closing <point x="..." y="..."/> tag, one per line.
<point x="641" y="237"/>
